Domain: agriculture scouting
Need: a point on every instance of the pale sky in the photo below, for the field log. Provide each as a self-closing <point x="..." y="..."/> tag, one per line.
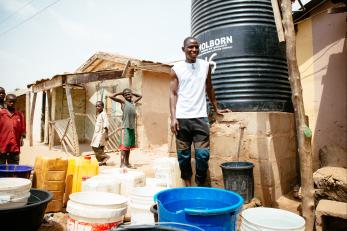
<point x="64" y="35"/>
<point x="67" y="33"/>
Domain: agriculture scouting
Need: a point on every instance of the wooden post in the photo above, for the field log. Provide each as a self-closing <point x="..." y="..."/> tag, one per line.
<point x="278" y="20"/>
<point x="32" y="112"/>
<point x="303" y="131"/>
<point x="42" y="117"/>
<point x="51" y="127"/>
<point x="27" y="114"/>
<point x="47" y="117"/>
<point x="73" y="121"/>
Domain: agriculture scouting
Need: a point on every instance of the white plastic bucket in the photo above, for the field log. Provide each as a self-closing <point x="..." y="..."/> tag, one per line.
<point x="96" y="211"/>
<point x="101" y="183"/>
<point x="270" y="219"/>
<point x="141" y="200"/>
<point x="167" y="172"/>
<point x="14" y="192"/>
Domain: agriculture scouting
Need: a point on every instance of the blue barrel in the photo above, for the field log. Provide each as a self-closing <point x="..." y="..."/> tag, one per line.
<point x="206" y="208"/>
<point x="239" y="39"/>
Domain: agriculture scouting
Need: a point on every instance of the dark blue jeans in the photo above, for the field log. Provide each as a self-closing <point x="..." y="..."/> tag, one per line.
<point x="193" y="131"/>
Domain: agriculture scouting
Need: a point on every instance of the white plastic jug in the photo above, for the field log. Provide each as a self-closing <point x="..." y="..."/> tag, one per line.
<point x="101" y="183"/>
<point x="128" y="180"/>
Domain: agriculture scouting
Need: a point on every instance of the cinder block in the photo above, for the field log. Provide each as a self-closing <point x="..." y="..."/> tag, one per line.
<point x="329" y="208"/>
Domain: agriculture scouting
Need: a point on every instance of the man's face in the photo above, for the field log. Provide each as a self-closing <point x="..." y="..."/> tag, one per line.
<point x="191" y="49"/>
<point x="2" y="94"/>
<point x="99" y="107"/>
<point x="10" y="102"/>
<point x="127" y="96"/>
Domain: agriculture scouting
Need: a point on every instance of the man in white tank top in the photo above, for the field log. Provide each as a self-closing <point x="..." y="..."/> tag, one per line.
<point x="190" y="81"/>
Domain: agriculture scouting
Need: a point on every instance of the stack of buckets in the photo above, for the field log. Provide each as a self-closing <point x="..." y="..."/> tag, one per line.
<point x="109" y="197"/>
<point x="96" y="211"/>
<point x="14" y="192"/>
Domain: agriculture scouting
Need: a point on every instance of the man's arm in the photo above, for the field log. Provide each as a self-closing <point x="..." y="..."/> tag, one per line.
<point x="139" y="97"/>
<point x="23" y="133"/>
<point x="173" y="101"/>
<point x="211" y="96"/>
<point x="114" y="97"/>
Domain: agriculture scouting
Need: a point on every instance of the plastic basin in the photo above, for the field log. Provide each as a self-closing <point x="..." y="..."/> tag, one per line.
<point x="28" y="217"/>
<point x="14" y="170"/>
<point x="206" y="208"/>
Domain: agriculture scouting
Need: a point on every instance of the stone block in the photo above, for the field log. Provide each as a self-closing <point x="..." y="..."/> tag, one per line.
<point x="331" y="183"/>
<point x="328" y="208"/>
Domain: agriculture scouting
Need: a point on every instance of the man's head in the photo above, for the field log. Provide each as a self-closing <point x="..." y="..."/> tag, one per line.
<point x="127" y="94"/>
<point x="190" y="49"/>
<point x="99" y="106"/>
<point x="2" y="94"/>
<point x="11" y="101"/>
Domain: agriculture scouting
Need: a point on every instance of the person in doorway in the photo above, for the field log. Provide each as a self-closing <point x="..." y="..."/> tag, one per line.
<point x="100" y="136"/>
<point x="2" y="97"/>
<point x="190" y="79"/>
<point x="12" y="131"/>
<point x="129" y="124"/>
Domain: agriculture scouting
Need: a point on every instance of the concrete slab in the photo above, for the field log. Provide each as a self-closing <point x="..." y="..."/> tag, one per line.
<point x="328" y="208"/>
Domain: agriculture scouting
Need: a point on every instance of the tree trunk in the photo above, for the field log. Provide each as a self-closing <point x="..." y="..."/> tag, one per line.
<point x="303" y="131"/>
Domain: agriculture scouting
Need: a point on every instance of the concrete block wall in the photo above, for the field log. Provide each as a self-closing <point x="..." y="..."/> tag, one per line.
<point x="266" y="139"/>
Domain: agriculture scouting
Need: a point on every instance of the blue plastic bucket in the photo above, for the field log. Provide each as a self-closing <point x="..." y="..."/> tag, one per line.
<point x="14" y="170"/>
<point x="206" y="208"/>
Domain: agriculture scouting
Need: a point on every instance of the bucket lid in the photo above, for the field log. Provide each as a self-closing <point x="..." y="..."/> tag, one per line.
<point x="99" y="199"/>
<point x="14" y="184"/>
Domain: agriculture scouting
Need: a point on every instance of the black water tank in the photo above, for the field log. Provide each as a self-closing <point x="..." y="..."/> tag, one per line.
<point x="249" y="65"/>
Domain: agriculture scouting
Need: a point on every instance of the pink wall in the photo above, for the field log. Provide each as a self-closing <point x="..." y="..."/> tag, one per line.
<point x="330" y="79"/>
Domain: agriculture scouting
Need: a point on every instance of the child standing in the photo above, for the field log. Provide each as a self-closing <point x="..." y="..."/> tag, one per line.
<point x="128" y="125"/>
<point x="12" y="132"/>
<point x="100" y="136"/>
